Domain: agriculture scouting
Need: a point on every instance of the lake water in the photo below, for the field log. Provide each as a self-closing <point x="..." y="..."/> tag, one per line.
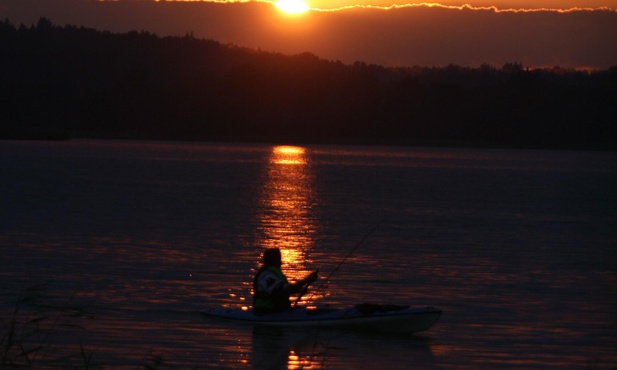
<point x="120" y="245"/>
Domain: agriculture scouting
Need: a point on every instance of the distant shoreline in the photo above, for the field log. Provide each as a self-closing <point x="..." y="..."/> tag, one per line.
<point x="57" y="136"/>
<point x="72" y="82"/>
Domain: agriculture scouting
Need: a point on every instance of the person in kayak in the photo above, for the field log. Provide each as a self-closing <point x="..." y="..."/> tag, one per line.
<point x="271" y="290"/>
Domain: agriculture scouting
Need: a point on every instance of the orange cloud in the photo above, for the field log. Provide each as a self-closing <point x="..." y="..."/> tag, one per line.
<point x="503" y="6"/>
<point x="497" y="5"/>
<point x="465" y="7"/>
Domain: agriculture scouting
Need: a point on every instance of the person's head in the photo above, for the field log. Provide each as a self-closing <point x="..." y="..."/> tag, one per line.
<point x="272" y="257"/>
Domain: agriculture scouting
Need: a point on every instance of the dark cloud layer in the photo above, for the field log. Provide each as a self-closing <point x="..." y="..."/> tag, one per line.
<point x="403" y="36"/>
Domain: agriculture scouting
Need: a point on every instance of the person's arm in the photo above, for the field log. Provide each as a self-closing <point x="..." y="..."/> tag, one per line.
<point x="302" y="284"/>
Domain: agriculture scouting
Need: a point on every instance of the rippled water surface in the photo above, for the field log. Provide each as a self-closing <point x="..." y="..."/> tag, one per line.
<point x="109" y="251"/>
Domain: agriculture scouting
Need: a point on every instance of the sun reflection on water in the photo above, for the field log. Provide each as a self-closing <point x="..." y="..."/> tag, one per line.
<point x="295" y="361"/>
<point x="285" y="154"/>
<point x="285" y="208"/>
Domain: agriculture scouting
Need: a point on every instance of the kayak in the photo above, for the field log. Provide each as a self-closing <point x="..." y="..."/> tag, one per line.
<point x="363" y="317"/>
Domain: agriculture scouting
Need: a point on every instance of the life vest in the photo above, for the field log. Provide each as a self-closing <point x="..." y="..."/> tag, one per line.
<point x="266" y="303"/>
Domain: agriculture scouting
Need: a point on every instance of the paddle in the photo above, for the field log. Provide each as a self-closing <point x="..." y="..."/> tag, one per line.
<point x="303" y="291"/>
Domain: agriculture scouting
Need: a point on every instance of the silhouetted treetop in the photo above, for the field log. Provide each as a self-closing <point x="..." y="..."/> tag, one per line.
<point x="84" y="82"/>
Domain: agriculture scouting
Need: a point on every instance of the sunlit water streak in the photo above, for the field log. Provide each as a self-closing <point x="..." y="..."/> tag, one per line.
<point x="517" y="248"/>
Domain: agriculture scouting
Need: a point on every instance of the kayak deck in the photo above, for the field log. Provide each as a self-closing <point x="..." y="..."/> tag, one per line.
<point x="380" y="318"/>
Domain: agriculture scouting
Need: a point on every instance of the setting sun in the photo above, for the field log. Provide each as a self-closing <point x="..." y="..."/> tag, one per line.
<point x="292" y="6"/>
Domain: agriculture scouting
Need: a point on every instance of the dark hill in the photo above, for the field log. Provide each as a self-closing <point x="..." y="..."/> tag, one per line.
<point x="76" y="82"/>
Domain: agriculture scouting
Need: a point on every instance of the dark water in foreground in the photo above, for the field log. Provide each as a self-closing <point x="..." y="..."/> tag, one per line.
<point x="121" y="245"/>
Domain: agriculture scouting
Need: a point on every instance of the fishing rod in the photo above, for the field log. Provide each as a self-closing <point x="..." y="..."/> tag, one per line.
<point x="343" y="260"/>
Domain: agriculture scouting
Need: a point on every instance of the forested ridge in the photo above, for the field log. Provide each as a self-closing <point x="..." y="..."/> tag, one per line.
<point x="70" y="81"/>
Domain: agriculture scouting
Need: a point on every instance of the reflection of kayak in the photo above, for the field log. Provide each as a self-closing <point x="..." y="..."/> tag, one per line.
<point x="370" y="317"/>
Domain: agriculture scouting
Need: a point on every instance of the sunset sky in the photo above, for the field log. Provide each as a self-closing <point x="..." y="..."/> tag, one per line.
<point x="538" y="33"/>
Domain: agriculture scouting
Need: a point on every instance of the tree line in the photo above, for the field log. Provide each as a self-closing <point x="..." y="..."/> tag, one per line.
<point x="60" y="82"/>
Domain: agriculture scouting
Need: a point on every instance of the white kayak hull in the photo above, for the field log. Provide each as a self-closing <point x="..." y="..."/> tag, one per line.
<point x="390" y="319"/>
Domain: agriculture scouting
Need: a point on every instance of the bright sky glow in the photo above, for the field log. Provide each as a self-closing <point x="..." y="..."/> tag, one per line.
<point x="292" y="6"/>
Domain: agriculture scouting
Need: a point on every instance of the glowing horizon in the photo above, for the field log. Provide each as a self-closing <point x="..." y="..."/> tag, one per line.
<point x="327" y="6"/>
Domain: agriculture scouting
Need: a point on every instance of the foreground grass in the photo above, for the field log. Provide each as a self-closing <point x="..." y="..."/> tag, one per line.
<point x="26" y="336"/>
<point x="29" y="338"/>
